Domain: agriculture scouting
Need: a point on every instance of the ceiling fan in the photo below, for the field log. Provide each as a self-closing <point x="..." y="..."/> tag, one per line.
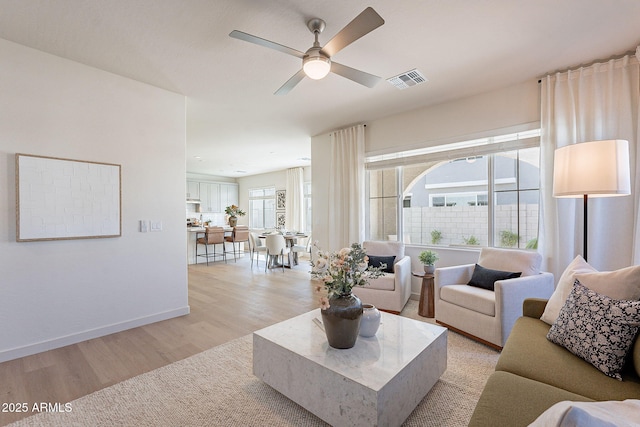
<point x="316" y="61"/>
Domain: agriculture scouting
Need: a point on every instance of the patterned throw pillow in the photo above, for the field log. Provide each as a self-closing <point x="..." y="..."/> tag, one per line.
<point x="597" y="328"/>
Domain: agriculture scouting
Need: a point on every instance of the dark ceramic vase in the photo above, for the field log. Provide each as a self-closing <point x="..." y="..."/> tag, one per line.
<point x="342" y="320"/>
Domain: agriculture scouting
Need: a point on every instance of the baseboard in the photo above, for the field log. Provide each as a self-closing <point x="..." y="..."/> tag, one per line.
<point x="54" y="343"/>
<point x="468" y="335"/>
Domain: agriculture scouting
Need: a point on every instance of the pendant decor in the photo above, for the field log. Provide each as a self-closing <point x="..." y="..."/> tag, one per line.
<point x="370" y="320"/>
<point x="341" y="320"/>
<point x="337" y="274"/>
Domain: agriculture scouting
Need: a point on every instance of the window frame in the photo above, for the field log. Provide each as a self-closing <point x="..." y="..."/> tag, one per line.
<point x="265" y="197"/>
<point x="490" y="147"/>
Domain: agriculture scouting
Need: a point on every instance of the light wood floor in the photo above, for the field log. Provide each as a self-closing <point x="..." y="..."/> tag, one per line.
<point x="227" y="301"/>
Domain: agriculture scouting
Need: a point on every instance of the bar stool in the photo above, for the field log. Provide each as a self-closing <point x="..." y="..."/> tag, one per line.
<point x="239" y="235"/>
<point x="211" y="236"/>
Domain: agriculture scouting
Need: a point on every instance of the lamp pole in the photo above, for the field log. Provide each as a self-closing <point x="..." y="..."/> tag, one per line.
<point x="584" y="233"/>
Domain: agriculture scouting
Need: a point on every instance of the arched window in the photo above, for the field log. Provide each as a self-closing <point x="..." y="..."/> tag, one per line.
<point x="479" y="200"/>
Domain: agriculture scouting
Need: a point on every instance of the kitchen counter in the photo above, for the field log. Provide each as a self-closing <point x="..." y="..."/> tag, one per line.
<point x="192" y="232"/>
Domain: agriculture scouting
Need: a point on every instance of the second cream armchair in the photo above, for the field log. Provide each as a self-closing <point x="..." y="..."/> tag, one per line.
<point x="391" y="291"/>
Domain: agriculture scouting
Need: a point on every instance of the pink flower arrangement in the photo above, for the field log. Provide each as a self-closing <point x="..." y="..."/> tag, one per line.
<point x="340" y="271"/>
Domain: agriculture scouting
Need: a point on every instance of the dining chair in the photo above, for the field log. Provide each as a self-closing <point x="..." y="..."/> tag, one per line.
<point x="256" y="247"/>
<point x="276" y="247"/>
<point x="239" y="235"/>
<point x="211" y="236"/>
<point x="301" y="248"/>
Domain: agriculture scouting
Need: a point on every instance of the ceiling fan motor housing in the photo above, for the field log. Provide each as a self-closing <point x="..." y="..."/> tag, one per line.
<point x="315" y="63"/>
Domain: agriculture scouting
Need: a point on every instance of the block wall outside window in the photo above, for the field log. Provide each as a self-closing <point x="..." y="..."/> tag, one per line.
<point x="452" y="198"/>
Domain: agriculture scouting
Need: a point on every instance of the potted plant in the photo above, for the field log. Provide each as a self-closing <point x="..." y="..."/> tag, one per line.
<point x="428" y="258"/>
<point x="234" y="212"/>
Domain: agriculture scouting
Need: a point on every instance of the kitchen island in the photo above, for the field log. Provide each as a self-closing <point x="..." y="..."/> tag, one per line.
<point x="192" y="234"/>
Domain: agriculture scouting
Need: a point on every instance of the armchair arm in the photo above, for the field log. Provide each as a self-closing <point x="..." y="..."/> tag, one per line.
<point x="520" y="288"/>
<point x="402" y="271"/>
<point x="511" y="293"/>
<point x="456" y="275"/>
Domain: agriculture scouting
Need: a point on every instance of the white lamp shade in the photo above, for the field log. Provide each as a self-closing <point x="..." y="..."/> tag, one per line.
<point x="316" y="67"/>
<point x="597" y="169"/>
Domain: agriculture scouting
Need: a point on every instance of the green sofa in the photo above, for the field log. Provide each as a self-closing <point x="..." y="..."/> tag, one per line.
<point x="532" y="374"/>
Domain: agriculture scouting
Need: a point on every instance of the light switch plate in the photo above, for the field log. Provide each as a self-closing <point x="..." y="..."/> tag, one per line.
<point x="156" y="225"/>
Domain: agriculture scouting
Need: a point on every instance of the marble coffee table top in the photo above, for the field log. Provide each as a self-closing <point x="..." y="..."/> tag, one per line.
<point x="372" y="361"/>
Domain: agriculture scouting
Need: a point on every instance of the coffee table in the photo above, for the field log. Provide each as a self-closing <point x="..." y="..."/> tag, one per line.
<point x="378" y="382"/>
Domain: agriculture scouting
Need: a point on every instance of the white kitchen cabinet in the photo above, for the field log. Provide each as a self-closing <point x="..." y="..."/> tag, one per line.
<point x="210" y="197"/>
<point x="193" y="190"/>
<point x="213" y="196"/>
<point x="228" y="195"/>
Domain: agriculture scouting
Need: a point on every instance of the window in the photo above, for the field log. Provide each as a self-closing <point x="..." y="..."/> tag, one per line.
<point x="490" y="198"/>
<point x="516" y="198"/>
<point x="262" y="207"/>
<point x="383" y="204"/>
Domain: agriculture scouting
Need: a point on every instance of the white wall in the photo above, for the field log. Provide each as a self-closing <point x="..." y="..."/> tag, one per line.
<point x="450" y="122"/>
<point x="54" y="293"/>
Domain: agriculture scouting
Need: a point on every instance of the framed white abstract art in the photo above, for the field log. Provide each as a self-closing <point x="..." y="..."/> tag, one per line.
<point x="61" y="199"/>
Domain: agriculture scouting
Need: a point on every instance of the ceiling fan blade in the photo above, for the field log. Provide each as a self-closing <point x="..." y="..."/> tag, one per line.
<point x="266" y="43"/>
<point x="290" y="84"/>
<point x="361" y="25"/>
<point x="366" y="79"/>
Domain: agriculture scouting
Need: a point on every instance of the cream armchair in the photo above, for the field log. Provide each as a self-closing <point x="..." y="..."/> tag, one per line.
<point x="391" y="291"/>
<point x="485" y="315"/>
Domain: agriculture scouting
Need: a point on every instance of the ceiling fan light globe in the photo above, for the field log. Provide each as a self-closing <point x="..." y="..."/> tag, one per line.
<point x="316" y="67"/>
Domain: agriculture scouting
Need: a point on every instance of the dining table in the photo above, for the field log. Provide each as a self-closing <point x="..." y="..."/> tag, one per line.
<point x="291" y="239"/>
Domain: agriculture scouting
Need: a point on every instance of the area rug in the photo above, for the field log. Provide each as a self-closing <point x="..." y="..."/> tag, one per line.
<point x="217" y="388"/>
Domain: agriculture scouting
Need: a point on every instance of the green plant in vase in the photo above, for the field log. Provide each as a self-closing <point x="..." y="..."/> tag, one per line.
<point x="234" y="212"/>
<point x="428" y="258"/>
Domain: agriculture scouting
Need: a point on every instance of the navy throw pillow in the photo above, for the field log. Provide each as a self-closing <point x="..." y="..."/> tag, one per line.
<point x="485" y="278"/>
<point x="377" y="261"/>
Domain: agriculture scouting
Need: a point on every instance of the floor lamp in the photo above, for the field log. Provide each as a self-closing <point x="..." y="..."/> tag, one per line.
<point x="592" y="169"/>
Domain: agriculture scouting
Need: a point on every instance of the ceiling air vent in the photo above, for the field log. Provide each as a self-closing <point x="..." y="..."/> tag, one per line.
<point x="407" y="79"/>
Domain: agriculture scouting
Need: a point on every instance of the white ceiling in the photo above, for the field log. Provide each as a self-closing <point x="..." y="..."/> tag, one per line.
<point x="235" y="123"/>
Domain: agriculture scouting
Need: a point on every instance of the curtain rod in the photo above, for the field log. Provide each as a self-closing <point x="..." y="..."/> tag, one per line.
<point x="588" y="64"/>
<point x="335" y="130"/>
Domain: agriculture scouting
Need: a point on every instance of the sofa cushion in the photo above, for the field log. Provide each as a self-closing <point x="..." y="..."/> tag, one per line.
<point x="384" y="248"/>
<point x="565" y="284"/>
<point x="376" y="261"/>
<point x="635" y="355"/>
<point x="472" y="298"/>
<point x="512" y="400"/>
<point x="528" y="353"/>
<point x="384" y="283"/>
<point x="526" y="262"/>
<point x="591" y="414"/>
<point x="599" y="329"/>
<point x="486" y="278"/>
<point x="620" y="284"/>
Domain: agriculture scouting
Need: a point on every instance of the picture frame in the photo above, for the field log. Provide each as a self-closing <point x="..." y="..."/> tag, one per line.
<point x="64" y="199"/>
<point x="281" y="199"/>
<point x="280" y="219"/>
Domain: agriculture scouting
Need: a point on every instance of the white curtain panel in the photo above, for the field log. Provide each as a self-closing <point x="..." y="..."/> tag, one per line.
<point x="346" y="188"/>
<point x="592" y="103"/>
<point x="294" y="210"/>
